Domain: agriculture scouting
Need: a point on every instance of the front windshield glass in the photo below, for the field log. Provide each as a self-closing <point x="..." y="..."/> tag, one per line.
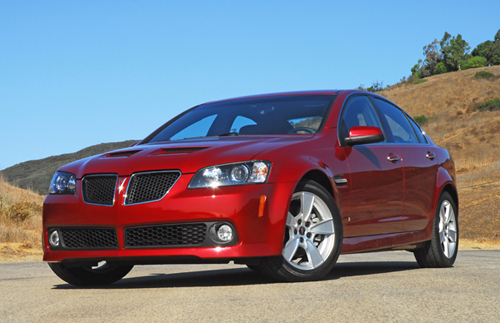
<point x="295" y="114"/>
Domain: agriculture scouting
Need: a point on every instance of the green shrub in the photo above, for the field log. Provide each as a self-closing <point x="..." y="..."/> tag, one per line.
<point x="422" y="119"/>
<point x="440" y="68"/>
<point x="483" y="75"/>
<point x="490" y="105"/>
<point x="477" y="61"/>
<point x="418" y="74"/>
<point x="418" y="81"/>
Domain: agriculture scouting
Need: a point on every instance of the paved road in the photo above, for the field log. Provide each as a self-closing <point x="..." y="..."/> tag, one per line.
<point x="377" y="287"/>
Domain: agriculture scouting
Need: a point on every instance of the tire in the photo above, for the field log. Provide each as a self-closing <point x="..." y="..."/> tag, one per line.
<point x="442" y="250"/>
<point x="313" y="237"/>
<point x="253" y="267"/>
<point x="89" y="276"/>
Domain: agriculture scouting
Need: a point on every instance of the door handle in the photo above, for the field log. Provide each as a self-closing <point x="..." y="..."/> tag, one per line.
<point x="393" y="158"/>
<point x="430" y="155"/>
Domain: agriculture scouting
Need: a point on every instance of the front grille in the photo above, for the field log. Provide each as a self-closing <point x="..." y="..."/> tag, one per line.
<point x="150" y="186"/>
<point x="99" y="189"/>
<point x="85" y="238"/>
<point x="166" y="235"/>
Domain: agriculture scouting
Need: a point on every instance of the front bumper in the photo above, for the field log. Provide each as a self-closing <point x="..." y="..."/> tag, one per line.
<point x="259" y="234"/>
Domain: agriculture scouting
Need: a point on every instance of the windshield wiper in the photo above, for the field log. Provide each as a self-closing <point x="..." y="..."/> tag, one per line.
<point x="229" y="134"/>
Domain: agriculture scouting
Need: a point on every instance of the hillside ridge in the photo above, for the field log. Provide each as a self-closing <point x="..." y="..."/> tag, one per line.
<point x="37" y="174"/>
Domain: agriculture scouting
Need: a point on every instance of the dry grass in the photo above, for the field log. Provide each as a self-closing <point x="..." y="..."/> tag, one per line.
<point x="16" y="252"/>
<point x="472" y="137"/>
<point x="467" y="244"/>
<point x="20" y="216"/>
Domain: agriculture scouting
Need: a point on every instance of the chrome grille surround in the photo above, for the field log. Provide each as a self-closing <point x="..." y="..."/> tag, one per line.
<point x="146" y="187"/>
<point x="99" y="189"/>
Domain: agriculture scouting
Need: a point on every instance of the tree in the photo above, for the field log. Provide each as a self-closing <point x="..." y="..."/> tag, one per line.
<point x="489" y="50"/>
<point x="454" y="51"/>
<point x="432" y="55"/>
<point x="416" y="69"/>
<point x="450" y="51"/>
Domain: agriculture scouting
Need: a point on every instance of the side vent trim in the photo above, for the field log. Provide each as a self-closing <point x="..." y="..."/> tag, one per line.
<point x="181" y="150"/>
<point x="122" y="153"/>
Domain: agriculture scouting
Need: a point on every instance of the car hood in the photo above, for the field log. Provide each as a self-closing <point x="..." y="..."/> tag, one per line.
<point x="188" y="155"/>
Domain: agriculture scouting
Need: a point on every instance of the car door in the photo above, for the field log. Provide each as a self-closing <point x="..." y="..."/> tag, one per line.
<point x="419" y="162"/>
<point x="376" y="176"/>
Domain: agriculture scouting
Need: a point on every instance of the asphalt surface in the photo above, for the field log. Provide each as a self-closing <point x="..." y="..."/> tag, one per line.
<point x="376" y="287"/>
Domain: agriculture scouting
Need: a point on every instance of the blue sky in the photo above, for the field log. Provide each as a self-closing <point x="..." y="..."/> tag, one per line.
<point x="78" y="73"/>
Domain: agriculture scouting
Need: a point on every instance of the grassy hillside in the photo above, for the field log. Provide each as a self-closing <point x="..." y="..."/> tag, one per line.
<point x="449" y="101"/>
<point x="37" y="174"/>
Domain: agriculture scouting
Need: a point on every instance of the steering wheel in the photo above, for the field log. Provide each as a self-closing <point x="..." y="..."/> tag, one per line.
<point x="296" y="130"/>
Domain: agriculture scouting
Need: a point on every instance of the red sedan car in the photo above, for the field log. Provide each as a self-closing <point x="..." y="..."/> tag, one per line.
<point x="283" y="183"/>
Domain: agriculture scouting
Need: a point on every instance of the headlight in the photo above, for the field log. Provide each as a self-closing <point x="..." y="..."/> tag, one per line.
<point x="63" y="183"/>
<point x="243" y="173"/>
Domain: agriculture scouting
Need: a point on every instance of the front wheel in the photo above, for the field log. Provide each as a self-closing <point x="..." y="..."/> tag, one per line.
<point x="313" y="237"/>
<point x="442" y="250"/>
<point x="104" y="274"/>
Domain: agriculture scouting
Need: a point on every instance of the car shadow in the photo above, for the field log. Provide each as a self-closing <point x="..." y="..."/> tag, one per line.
<point x="243" y="276"/>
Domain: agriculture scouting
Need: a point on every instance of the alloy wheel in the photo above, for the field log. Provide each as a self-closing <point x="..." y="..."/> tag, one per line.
<point x="447" y="229"/>
<point x="310" y="234"/>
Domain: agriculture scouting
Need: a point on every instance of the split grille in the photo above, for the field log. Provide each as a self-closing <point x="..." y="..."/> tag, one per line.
<point x="151" y="186"/>
<point x="98" y="238"/>
<point x="99" y="189"/>
<point x="166" y="235"/>
<point x="142" y="188"/>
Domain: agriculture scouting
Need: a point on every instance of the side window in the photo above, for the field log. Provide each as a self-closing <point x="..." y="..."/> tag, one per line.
<point x="358" y="111"/>
<point x="418" y="131"/>
<point x="402" y="132"/>
<point x="197" y="129"/>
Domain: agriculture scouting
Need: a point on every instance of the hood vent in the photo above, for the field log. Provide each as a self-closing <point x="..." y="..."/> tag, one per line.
<point x="181" y="150"/>
<point x="122" y="153"/>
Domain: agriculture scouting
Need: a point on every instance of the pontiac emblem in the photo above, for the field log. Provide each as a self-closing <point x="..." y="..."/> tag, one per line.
<point x="121" y="184"/>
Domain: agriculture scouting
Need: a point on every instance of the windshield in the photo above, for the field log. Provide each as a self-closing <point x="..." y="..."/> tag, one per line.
<point x="299" y="114"/>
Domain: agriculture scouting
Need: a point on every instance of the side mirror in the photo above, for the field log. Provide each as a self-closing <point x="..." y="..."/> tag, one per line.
<point x="360" y="135"/>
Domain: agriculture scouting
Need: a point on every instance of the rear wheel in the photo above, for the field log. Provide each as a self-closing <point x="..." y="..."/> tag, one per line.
<point x="104" y="274"/>
<point x="442" y="250"/>
<point x="313" y="237"/>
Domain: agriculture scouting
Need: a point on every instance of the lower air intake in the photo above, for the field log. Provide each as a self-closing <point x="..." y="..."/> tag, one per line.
<point x="166" y="235"/>
<point x="85" y="238"/>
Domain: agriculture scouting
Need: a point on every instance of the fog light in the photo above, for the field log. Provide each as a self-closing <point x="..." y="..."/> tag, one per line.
<point x="225" y="233"/>
<point x="54" y="239"/>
